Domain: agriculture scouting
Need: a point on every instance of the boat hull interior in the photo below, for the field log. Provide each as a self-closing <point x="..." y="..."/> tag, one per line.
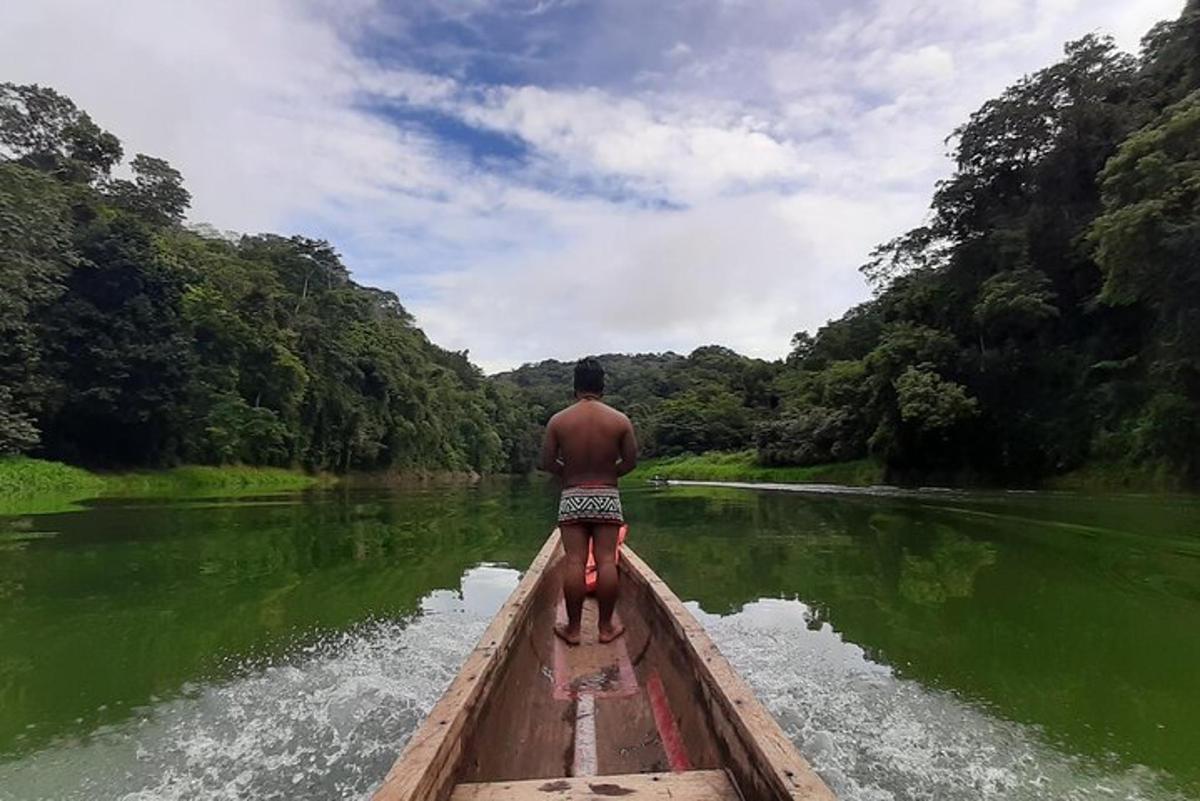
<point x="658" y="700"/>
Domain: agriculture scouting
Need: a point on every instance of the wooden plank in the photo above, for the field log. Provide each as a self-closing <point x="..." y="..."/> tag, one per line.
<point x="762" y="759"/>
<point x="696" y="785"/>
<point x="627" y="739"/>
<point x="603" y="669"/>
<point x="427" y="769"/>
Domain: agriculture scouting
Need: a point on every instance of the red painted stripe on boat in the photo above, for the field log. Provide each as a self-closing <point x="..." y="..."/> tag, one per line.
<point x="664" y="721"/>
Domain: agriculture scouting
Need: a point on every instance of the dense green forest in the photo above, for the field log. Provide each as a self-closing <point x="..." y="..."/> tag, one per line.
<point x="127" y="339"/>
<point x="710" y="400"/>
<point x="1045" y="316"/>
<point x="1048" y="313"/>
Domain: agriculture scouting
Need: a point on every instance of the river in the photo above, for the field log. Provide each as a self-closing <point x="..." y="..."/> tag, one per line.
<point x="915" y="645"/>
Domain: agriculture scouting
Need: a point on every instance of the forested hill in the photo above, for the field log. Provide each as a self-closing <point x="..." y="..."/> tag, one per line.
<point x="1046" y="316"/>
<point x="126" y="339"/>
<point x="1048" y="313"/>
<point x="712" y="399"/>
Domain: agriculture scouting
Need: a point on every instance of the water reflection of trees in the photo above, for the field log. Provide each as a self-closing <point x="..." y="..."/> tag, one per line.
<point x="160" y="595"/>
<point x="1071" y="627"/>
<point x="948" y="573"/>
<point x="725" y="550"/>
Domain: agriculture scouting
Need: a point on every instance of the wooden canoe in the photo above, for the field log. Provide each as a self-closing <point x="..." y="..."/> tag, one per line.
<point x="658" y="713"/>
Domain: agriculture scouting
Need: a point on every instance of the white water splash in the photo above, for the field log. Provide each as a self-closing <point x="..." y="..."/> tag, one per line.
<point x="328" y="723"/>
<point x="875" y="737"/>
<point x="325" y="725"/>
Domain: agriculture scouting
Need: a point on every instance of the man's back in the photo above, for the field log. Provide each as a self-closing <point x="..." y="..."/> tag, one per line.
<point x="590" y="437"/>
<point x="589" y="445"/>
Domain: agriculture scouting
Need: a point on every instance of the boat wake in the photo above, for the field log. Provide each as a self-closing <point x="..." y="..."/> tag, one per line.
<point x="328" y="722"/>
<point x="876" y="737"/>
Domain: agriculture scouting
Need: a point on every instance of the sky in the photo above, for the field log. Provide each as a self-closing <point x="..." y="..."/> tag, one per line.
<point x="551" y="178"/>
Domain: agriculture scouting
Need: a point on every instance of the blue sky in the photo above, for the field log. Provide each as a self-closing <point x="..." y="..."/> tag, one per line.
<point x="548" y="178"/>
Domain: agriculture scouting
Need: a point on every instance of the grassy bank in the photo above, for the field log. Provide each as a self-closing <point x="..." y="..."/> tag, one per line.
<point x="23" y="478"/>
<point x="741" y="466"/>
<point x="34" y="485"/>
<point x="1091" y="478"/>
<point x="200" y="479"/>
<point x="1102" y="477"/>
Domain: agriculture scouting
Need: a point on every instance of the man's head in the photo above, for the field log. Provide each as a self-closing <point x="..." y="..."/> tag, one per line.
<point x="589" y="377"/>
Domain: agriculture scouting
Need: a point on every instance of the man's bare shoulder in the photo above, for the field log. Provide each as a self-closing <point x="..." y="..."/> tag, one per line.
<point x="564" y="415"/>
<point x="617" y="413"/>
<point x="586" y="412"/>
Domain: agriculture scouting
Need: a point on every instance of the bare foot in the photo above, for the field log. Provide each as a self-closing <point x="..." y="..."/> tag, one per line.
<point x="610" y="632"/>
<point x="568" y="635"/>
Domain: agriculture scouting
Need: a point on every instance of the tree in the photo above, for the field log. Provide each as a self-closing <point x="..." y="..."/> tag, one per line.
<point x="920" y="249"/>
<point x="127" y="339"/>
<point x="1147" y="243"/>
<point x="120" y="350"/>
<point x="156" y="192"/>
<point x="802" y="347"/>
<point x="1014" y="302"/>
<point x="18" y="433"/>
<point x="44" y="130"/>
<point x="1171" y="59"/>
<point x="931" y="403"/>
<point x="815" y="435"/>
<point x="36" y="255"/>
<point x="702" y="420"/>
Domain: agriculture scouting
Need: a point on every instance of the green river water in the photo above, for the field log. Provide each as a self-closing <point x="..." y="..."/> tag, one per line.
<point x="915" y="645"/>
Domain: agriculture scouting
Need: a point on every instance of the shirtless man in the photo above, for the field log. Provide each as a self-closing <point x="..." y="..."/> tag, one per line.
<point x="589" y="445"/>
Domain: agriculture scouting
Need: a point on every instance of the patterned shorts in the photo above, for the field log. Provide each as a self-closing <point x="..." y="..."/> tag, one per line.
<point x="590" y="504"/>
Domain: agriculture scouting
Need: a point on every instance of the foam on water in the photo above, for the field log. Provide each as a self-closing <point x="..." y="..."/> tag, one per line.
<point x="876" y="737"/>
<point x="327" y="722"/>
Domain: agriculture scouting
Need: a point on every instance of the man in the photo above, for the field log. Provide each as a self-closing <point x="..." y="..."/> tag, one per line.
<point x="589" y="445"/>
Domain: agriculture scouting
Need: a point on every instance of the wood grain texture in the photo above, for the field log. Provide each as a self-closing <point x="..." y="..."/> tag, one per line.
<point x="428" y="767"/>
<point x="628" y="739"/>
<point x="507" y="723"/>
<point x="763" y="761"/>
<point x="603" y="669"/>
<point x="697" y="785"/>
<point x="522" y="730"/>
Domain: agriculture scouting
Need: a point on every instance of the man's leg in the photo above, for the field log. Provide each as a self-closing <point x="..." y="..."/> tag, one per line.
<point x="604" y="547"/>
<point x="575" y="543"/>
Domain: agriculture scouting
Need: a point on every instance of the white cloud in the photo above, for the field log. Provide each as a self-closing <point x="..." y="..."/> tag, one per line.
<point x="409" y="86"/>
<point x="687" y="154"/>
<point x="931" y="64"/>
<point x="678" y="50"/>
<point x="254" y="102"/>
<point x="750" y="270"/>
<point x="795" y="143"/>
<point x="1131" y="20"/>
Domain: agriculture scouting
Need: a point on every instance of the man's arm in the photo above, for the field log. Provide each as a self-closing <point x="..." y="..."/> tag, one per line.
<point x="629" y="450"/>
<point x="549" y="460"/>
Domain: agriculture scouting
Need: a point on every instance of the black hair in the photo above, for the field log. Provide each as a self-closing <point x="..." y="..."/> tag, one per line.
<point x="589" y="376"/>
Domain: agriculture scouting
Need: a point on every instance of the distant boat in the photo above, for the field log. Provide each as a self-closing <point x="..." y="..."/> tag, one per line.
<point x="658" y="713"/>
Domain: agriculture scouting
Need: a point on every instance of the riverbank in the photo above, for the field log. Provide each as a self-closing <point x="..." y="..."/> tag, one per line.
<point x="1104" y="477"/>
<point x="1095" y="478"/>
<point x="741" y="466"/>
<point x="35" y="485"/>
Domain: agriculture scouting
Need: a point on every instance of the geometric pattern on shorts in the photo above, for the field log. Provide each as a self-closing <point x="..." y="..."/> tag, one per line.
<point x="590" y="504"/>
